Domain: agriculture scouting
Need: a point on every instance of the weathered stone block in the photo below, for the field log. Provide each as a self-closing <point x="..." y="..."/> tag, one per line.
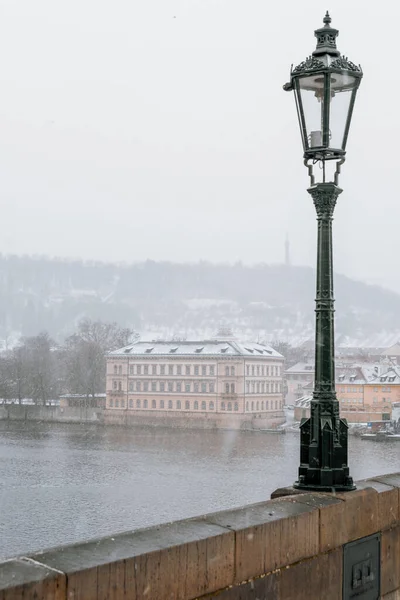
<point x="270" y="535"/>
<point x="24" y="579"/>
<point x="388" y="502"/>
<point x="262" y="588"/>
<point x="181" y="560"/>
<point x="356" y="516"/>
<point x="390" y="560"/>
<point x="319" y="577"/>
<point x="392" y="596"/>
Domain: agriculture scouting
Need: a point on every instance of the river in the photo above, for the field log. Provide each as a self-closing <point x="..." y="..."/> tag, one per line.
<point x="65" y="483"/>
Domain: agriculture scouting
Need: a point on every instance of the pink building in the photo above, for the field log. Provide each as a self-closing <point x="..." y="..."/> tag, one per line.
<point x="216" y="377"/>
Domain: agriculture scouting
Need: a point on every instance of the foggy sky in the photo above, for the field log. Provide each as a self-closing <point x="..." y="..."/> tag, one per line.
<point x="159" y="129"/>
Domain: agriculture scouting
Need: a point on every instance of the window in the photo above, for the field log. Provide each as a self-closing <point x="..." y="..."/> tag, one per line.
<point x="153" y="404"/>
<point x="144" y="403"/>
<point x="161" y="403"/>
<point x="146" y="369"/>
<point x="204" y="388"/>
<point x="178" y="404"/>
<point x="111" y="402"/>
<point x="258" y="405"/>
<point x="222" y="405"/>
<point x="211" y="405"/>
<point x="187" y="370"/>
<point x="114" y="385"/>
<point x="139" y="369"/>
<point x="119" y="386"/>
<point x="196" y="386"/>
<point x="196" y="370"/>
<point x="226" y="371"/>
<point x="115" y="369"/>
<point x="122" y="403"/>
<point x="388" y="389"/>
<point x="232" y="388"/>
<point x="258" y="370"/>
<point x="253" y="370"/>
<point x="153" y="386"/>
<point x="196" y="405"/>
<point x="131" y="370"/>
<point x="138" y="403"/>
<point x="276" y="404"/>
<point x="247" y="387"/>
<point x="262" y="387"/>
<point x="187" y="405"/>
<point x="178" y="386"/>
<point x="247" y="370"/>
<point x="120" y="370"/>
<point x="247" y="406"/>
<point x="170" y="369"/>
<point x="187" y="387"/>
<point x="375" y="389"/>
<point x="169" y="403"/>
<point x="375" y="400"/>
<point x="170" y="386"/>
<point x="131" y="403"/>
<point x="230" y="406"/>
<point x="162" y="386"/>
<point x="211" y="388"/>
<point x="179" y="369"/>
<point x="227" y="388"/>
<point x="162" y="369"/>
<point x="212" y="370"/>
<point x="232" y="371"/>
<point x="203" y="405"/>
<point x="236" y="406"/>
<point x="131" y="386"/>
<point x="154" y="369"/>
<point x="138" y="386"/>
<point x="262" y="405"/>
<point x="258" y="387"/>
<point x="204" y="370"/>
<point x="252" y="405"/>
<point x="117" y="404"/>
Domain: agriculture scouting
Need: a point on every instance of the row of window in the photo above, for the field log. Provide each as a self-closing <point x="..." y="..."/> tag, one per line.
<point x="375" y="400"/>
<point x="204" y="370"/>
<point x="263" y="387"/>
<point x="351" y="390"/>
<point x="352" y="400"/>
<point x="155" y="369"/>
<point x="171" y="386"/>
<point x="263" y="370"/>
<point x="256" y="405"/>
<point x="162" y="405"/>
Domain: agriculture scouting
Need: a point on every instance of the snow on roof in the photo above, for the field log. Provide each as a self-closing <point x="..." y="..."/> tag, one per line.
<point x="197" y="348"/>
<point x="301" y="367"/>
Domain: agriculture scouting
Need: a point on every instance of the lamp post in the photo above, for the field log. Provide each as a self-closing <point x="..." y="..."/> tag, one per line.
<point x="325" y="86"/>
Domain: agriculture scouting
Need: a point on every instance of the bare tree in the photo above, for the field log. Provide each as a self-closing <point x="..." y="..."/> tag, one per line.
<point x="84" y="355"/>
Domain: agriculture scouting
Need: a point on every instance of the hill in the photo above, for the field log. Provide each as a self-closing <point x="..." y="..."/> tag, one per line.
<point x="189" y="300"/>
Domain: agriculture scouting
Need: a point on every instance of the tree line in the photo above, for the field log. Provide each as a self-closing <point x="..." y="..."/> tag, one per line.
<point x="40" y="369"/>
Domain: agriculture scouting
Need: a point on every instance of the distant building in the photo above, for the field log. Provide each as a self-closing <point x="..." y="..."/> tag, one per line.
<point x="365" y="394"/>
<point x="296" y="378"/>
<point x="83" y="401"/>
<point x="220" y="377"/>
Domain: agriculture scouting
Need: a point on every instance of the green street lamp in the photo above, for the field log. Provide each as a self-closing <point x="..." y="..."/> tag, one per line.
<point x="325" y="87"/>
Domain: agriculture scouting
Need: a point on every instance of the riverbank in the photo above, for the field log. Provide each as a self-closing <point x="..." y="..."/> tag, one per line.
<point x="124" y="418"/>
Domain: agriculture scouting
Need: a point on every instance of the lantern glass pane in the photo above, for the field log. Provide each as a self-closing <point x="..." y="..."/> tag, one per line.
<point x="311" y="90"/>
<point x="342" y="88"/>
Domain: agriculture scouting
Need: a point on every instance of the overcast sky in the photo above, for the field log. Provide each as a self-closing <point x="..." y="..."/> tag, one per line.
<point x="135" y="129"/>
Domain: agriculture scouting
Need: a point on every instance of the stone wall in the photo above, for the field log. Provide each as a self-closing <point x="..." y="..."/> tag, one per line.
<point x="193" y="420"/>
<point x="55" y="414"/>
<point x="288" y="548"/>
